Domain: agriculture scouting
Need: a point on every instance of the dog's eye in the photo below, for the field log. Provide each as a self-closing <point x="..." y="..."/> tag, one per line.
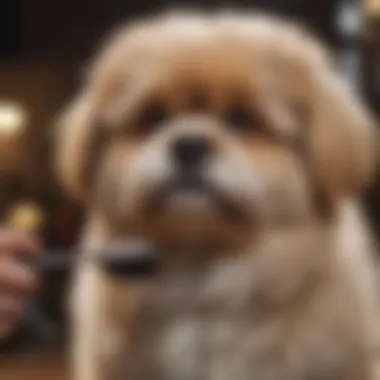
<point x="152" y="117"/>
<point x="240" y="118"/>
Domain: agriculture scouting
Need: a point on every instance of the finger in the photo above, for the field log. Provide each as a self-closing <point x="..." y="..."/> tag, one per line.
<point x="17" y="241"/>
<point x="10" y="313"/>
<point x="10" y="308"/>
<point x="6" y="330"/>
<point x="16" y="277"/>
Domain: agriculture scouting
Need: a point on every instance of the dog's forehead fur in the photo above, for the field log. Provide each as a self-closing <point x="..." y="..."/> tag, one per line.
<point x="224" y="47"/>
<point x="227" y="56"/>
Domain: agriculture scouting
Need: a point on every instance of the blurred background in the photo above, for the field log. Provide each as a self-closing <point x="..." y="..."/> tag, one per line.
<point x="44" y="48"/>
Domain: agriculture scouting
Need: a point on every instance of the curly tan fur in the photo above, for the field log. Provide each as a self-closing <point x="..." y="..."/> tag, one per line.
<point x="289" y="294"/>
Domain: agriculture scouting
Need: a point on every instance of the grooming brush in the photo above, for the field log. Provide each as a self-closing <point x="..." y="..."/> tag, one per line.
<point x="131" y="258"/>
<point x="134" y="257"/>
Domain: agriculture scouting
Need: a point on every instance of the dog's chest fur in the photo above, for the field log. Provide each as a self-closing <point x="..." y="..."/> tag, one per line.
<point x="203" y="323"/>
<point x="192" y="324"/>
<point x="213" y="322"/>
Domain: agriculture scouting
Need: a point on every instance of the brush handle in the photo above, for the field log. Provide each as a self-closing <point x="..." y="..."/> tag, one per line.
<point x="128" y="260"/>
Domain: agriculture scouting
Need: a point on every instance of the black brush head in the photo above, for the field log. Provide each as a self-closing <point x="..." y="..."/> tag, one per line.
<point x="131" y="259"/>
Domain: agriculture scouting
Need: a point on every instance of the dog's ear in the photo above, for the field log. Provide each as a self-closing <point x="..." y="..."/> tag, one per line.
<point x="79" y="135"/>
<point x="82" y="132"/>
<point x="335" y="129"/>
<point x="338" y="133"/>
<point x="342" y="136"/>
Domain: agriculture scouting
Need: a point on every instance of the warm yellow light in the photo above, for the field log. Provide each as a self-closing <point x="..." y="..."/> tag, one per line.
<point x="372" y="7"/>
<point x="13" y="118"/>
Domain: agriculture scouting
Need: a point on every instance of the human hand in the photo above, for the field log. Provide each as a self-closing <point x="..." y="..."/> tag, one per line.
<point x="17" y="280"/>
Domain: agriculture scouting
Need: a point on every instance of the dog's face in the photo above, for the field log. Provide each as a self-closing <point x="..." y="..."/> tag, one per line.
<point x="193" y="126"/>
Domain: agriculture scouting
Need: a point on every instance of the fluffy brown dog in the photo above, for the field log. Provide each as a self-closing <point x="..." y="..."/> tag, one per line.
<point x="232" y="143"/>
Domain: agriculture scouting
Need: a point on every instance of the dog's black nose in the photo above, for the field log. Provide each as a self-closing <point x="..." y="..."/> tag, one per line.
<point x="191" y="151"/>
